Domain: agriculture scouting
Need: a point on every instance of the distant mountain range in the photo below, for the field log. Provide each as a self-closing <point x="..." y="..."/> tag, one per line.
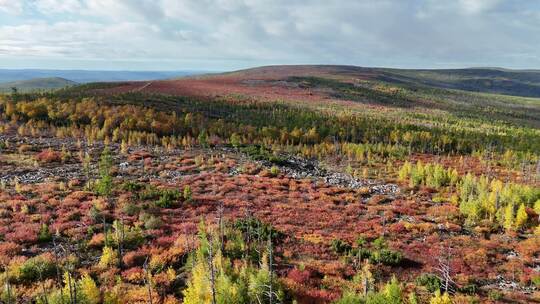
<point x="85" y="76"/>
<point x="27" y="80"/>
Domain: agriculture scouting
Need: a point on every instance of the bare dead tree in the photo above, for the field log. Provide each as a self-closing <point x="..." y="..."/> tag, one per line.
<point x="120" y="235"/>
<point x="259" y="245"/>
<point x="268" y="294"/>
<point x="8" y="286"/>
<point x="268" y="291"/>
<point x="72" y="292"/>
<point x="72" y="288"/>
<point x="105" y="231"/>
<point x="40" y="268"/>
<point x="56" y="264"/>
<point x="384" y="225"/>
<point x="445" y="271"/>
<point x="537" y="176"/>
<point x="192" y="246"/>
<point x="523" y="167"/>
<point x="489" y="159"/>
<point x="270" y="267"/>
<point x="147" y="281"/>
<point x="367" y="277"/>
<point x="212" y="269"/>
<point x="247" y="234"/>
<point x="221" y="226"/>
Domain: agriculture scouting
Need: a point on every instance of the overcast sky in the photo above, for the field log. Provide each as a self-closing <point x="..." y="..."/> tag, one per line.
<point x="233" y="34"/>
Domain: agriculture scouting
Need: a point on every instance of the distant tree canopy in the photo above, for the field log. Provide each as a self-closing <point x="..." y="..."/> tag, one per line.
<point x="176" y="120"/>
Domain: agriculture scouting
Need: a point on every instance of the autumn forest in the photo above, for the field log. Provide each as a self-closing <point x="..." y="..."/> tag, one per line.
<point x="288" y="184"/>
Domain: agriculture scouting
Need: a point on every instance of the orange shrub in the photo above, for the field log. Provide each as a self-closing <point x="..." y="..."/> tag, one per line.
<point x="49" y="156"/>
<point x="134" y="275"/>
<point x="135" y="258"/>
<point x="9" y="249"/>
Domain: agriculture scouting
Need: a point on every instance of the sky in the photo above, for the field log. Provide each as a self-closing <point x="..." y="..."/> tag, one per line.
<point x="233" y="34"/>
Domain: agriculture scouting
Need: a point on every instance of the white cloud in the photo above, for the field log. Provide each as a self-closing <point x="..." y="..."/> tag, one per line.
<point x="477" y="6"/>
<point x="11" y="6"/>
<point x="58" y="6"/>
<point x="251" y="32"/>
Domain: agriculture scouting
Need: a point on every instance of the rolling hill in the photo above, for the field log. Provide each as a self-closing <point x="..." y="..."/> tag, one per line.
<point x="457" y="92"/>
<point x="489" y="80"/>
<point x="37" y="84"/>
<point x="525" y="83"/>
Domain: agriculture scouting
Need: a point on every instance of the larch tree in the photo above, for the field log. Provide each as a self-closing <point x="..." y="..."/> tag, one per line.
<point x="521" y="217"/>
<point x="509" y="217"/>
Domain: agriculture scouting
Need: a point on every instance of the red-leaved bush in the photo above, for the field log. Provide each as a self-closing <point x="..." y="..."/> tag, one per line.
<point x="299" y="276"/>
<point x="10" y="249"/>
<point x="24" y="234"/>
<point x="49" y="156"/>
<point x="133" y="275"/>
<point x="134" y="258"/>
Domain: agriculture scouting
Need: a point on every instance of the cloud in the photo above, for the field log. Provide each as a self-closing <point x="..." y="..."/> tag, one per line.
<point x="58" y="6"/>
<point x="477" y="6"/>
<point x="11" y="6"/>
<point x="237" y="33"/>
